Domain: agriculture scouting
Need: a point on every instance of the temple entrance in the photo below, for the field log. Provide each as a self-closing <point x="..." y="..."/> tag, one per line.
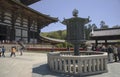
<point x="3" y="32"/>
<point x="2" y="37"/>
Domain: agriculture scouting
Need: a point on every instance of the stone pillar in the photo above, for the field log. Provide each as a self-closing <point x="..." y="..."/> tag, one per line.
<point x="74" y="67"/>
<point x="89" y="65"/>
<point x="76" y="49"/>
<point x="98" y="65"/>
<point x="80" y="66"/>
<point x="56" y="64"/>
<point x="64" y="64"/>
<point x="69" y="66"/>
<point x="101" y="64"/>
<point x="93" y="65"/>
<point x="85" y="66"/>
<point x="60" y="66"/>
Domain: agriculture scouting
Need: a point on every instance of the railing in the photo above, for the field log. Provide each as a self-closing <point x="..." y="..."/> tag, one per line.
<point x="48" y="49"/>
<point x="78" y="65"/>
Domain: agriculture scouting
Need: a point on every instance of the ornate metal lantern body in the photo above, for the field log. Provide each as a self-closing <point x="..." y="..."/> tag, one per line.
<point x="75" y="30"/>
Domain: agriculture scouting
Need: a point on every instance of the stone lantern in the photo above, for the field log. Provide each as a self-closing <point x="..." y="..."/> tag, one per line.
<point x="87" y="64"/>
<point x="75" y="30"/>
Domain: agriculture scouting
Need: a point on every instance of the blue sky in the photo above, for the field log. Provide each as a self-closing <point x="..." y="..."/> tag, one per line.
<point x="106" y="10"/>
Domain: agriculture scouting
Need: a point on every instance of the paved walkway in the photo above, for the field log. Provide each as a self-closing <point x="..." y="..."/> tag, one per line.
<point x="34" y="65"/>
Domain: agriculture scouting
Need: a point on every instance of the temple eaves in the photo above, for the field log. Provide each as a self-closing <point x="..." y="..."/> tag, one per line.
<point x="27" y="2"/>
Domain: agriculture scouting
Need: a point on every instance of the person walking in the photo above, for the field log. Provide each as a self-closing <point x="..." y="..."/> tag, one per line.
<point x="0" y="51"/>
<point x="21" y="51"/>
<point x="115" y="52"/>
<point x="118" y="50"/>
<point x="13" y="50"/>
<point x="110" y="53"/>
<point x="3" y="51"/>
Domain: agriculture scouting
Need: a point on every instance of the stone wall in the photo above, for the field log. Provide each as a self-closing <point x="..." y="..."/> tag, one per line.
<point x="86" y="64"/>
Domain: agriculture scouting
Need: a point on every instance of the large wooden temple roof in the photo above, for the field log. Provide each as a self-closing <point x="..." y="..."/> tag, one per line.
<point x="28" y="2"/>
<point x="19" y="9"/>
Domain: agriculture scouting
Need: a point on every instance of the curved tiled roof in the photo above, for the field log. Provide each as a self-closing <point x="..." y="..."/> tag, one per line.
<point x="51" y="40"/>
<point x="106" y="32"/>
<point x="110" y="33"/>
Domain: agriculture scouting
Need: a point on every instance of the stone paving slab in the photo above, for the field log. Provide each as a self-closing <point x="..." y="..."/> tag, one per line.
<point x="35" y="65"/>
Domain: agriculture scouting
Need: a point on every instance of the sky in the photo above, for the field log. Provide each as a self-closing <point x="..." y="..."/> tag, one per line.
<point x="98" y="10"/>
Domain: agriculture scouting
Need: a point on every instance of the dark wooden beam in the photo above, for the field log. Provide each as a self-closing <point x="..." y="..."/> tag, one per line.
<point x="30" y="22"/>
<point x="2" y="16"/>
<point x="28" y="2"/>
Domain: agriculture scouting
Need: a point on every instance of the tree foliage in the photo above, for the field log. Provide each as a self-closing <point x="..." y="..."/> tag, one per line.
<point x="103" y="25"/>
<point x="55" y="34"/>
<point x="116" y="26"/>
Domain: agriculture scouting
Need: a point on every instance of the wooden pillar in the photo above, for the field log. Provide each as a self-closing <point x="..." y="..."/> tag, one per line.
<point x="38" y="33"/>
<point x="39" y="27"/>
<point x="21" y="24"/>
<point x="29" y="25"/>
<point x="8" y="33"/>
<point x="12" y="31"/>
<point x="2" y="15"/>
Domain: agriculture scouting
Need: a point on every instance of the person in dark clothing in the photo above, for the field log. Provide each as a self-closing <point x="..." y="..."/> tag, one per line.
<point x="110" y="53"/>
<point x="0" y="51"/>
<point x="68" y="48"/>
<point x="21" y="51"/>
<point x="3" y="51"/>
<point x="52" y="49"/>
<point x="118" y="49"/>
<point x="93" y="47"/>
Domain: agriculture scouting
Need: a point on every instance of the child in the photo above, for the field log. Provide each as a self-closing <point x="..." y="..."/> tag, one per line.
<point x="13" y="50"/>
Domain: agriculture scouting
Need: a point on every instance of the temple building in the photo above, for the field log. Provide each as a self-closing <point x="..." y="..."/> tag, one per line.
<point x="18" y="21"/>
<point x="107" y="35"/>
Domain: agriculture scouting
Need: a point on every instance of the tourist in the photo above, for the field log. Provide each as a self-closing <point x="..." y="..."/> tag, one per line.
<point x="13" y="50"/>
<point x="110" y="53"/>
<point x="0" y="51"/>
<point x="52" y="49"/>
<point x="115" y="52"/>
<point x="93" y="47"/>
<point x="104" y="49"/>
<point x="21" y="51"/>
<point x="118" y="49"/>
<point x="3" y="51"/>
<point x="68" y="48"/>
<point x="20" y="42"/>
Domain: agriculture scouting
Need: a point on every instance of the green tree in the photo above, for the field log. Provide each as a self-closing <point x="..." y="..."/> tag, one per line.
<point x="88" y="29"/>
<point x="103" y="25"/>
<point x="94" y="26"/>
<point x="116" y="26"/>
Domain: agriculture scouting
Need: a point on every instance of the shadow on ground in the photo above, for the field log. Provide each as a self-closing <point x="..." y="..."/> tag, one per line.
<point x="44" y="71"/>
